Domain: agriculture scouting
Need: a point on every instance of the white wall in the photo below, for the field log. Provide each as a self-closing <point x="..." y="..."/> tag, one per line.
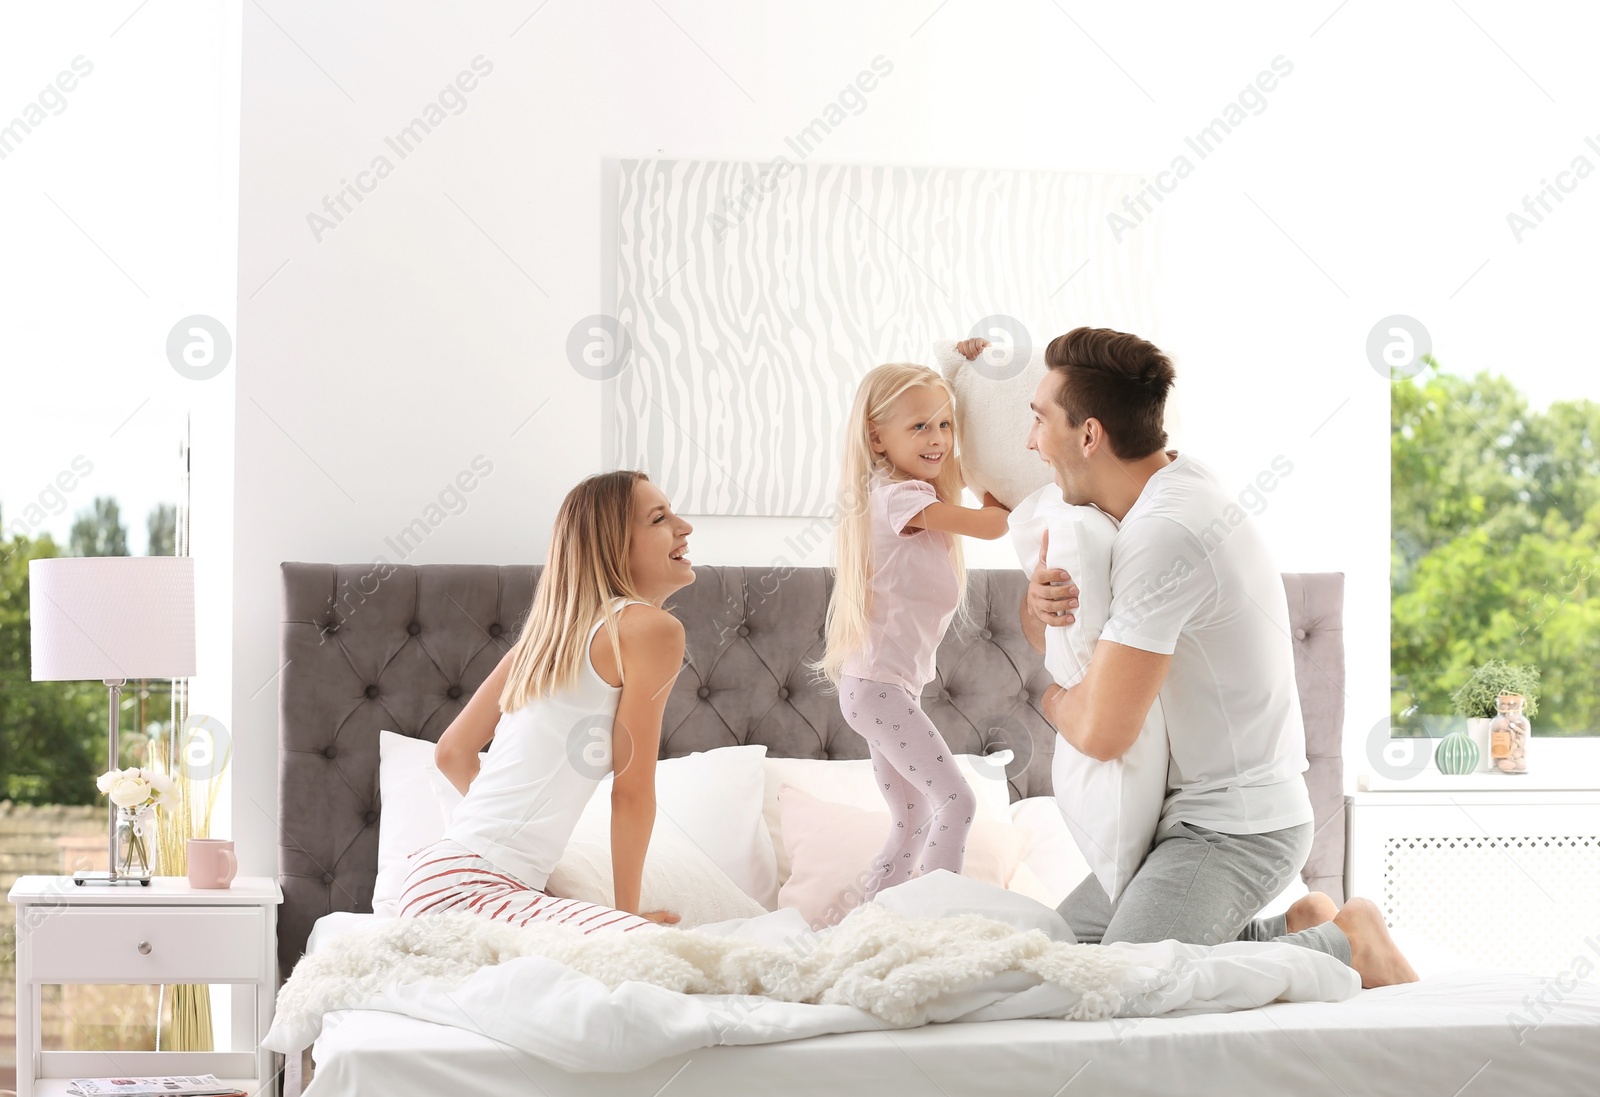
<point x="427" y="326"/>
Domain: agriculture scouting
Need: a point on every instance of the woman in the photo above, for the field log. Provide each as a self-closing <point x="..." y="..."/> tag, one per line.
<point x="578" y="696"/>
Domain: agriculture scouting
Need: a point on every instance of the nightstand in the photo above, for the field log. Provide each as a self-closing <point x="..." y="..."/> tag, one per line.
<point x="168" y="933"/>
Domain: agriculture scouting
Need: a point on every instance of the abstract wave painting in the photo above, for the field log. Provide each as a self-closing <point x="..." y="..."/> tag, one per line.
<point x="756" y="297"/>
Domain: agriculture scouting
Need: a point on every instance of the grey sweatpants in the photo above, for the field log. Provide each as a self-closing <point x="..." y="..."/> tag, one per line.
<point x="1202" y="887"/>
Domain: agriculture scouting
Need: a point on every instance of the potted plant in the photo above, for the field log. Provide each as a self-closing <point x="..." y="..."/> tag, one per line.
<point x="1496" y="689"/>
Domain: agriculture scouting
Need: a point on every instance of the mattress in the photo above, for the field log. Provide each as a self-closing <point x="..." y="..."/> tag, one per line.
<point x="1462" y="1030"/>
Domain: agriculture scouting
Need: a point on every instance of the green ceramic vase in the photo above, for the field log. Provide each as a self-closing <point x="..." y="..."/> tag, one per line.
<point x="1457" y="754"/>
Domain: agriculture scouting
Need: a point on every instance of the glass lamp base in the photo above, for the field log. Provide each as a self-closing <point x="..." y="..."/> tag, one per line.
<point x="85" y="876"/>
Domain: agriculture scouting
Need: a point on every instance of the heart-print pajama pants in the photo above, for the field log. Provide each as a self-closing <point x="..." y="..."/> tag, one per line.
<point x="930" y="804"/>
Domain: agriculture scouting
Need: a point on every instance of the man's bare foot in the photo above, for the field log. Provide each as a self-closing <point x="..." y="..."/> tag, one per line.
<point x="1373" y="953"/>
<point x="1310" y="910"/>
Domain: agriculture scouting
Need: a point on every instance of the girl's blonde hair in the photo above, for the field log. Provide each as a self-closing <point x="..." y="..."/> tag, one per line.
<point x="584" y="575"/>
<point x="852" y="584"/>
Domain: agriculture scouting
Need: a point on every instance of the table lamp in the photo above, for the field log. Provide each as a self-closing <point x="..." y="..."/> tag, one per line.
<point x="112" y="618"/>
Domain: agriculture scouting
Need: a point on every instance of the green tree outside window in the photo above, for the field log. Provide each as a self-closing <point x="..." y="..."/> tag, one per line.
<point x="1495" y="550"/>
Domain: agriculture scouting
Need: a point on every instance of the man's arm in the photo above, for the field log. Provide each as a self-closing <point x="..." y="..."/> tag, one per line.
<point x="1102" y="715"/>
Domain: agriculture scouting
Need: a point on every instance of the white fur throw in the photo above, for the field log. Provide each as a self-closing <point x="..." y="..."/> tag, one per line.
<point x="994" y="418"/>
<point x="876" y="960"/>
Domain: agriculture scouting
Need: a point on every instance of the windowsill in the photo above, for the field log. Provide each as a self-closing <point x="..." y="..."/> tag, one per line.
<point x="1554" y="765"/>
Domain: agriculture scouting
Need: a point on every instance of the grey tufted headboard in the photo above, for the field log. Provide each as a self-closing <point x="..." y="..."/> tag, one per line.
<point x="403" y="651"/>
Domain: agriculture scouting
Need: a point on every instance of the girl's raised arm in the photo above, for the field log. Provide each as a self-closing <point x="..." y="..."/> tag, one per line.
<point x="987" y="523"/>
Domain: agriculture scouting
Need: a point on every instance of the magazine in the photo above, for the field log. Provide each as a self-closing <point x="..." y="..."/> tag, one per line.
<point x="191" y="1085"/>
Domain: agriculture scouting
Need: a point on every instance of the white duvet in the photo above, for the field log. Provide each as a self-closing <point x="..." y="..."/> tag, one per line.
<point x="618" y="1002"/>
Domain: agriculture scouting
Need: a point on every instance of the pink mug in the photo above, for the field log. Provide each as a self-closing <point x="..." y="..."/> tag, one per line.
<point x="212" y="863"/>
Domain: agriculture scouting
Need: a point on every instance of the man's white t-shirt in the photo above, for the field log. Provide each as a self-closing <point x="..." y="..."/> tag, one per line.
<point x="1192" y="578"/>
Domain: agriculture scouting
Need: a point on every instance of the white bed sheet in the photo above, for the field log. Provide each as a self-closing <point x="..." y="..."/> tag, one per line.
<point x="1435" y="1036"/>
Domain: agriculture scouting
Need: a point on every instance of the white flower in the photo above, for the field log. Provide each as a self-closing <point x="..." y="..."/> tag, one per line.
<point x="161" y="782"/>
<point x="103" y="782"/>
<point x="129" y="791"/>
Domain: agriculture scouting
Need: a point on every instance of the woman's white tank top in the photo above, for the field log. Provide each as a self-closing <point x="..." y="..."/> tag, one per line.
<point x="541" y="770"/>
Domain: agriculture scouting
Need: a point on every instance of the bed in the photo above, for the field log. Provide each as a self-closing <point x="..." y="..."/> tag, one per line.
<point x="403" y="651"/>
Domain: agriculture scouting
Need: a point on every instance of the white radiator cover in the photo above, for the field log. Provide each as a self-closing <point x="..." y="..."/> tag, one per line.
<point x="1509" y="880"/>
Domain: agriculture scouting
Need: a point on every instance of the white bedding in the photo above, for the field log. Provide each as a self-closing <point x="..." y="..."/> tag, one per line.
<point x="582" y="1003"/>
<point x="1427" y="1038"/>
<point x="1435" y="1035"/>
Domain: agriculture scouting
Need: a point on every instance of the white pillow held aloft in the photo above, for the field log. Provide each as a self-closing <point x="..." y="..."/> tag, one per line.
<point x="1112" y="808"/>
<point x="994" y="420"/>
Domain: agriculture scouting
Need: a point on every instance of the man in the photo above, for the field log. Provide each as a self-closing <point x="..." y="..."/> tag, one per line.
<point x="1199" y="618"/>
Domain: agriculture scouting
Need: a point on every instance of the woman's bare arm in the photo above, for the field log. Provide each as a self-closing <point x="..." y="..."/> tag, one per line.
<point x="457" y="752"/>
<point x="652" y="642"/>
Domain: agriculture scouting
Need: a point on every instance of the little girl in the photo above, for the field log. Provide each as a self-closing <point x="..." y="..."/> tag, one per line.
<point x="898" y="581"/>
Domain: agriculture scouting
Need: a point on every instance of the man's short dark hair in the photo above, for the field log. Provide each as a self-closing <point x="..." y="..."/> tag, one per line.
<point x="1119" y="379"/>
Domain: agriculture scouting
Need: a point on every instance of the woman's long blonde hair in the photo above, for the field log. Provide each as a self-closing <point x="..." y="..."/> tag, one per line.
<point x="852" y="584"/>
<point x="585" y="573"/>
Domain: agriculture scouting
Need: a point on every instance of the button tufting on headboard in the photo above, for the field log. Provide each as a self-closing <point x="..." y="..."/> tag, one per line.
<point x="751" y="635"/>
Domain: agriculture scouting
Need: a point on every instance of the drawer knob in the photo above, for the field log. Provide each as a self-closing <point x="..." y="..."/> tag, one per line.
<point x="144" y="948"/>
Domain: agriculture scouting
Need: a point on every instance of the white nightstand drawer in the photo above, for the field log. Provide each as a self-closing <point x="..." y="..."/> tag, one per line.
<point x="149" y="945"/>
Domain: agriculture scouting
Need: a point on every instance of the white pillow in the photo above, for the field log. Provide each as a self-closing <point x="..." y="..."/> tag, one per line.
<point x="943" y="894"/>
<point x="677" y="877"/>
<point x="1112" y="808"/>
<point x="850" y="781"/>
<point x="994" y="419"/>
<point x="416" y="803"/>
<point x="1052" y="864"/>
<point x="713" y="797"/>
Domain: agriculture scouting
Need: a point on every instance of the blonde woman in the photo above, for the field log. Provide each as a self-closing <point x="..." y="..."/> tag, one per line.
<point x="899" y="579"/>
<point x="578" y="696"/>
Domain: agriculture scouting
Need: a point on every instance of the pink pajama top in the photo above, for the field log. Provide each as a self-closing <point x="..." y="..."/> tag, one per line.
<point x="913" y="591"/>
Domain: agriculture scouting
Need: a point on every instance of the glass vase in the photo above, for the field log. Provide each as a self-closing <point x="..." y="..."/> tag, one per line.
<point x="136" y="842"/>
<point x="1509" y="734"/>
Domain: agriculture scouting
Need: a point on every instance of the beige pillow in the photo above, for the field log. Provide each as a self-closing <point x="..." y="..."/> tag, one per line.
<point x="831" y="847"/>
<point x="850" y="781"/>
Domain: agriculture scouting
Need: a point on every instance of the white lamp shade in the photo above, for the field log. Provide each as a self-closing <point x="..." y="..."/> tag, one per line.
<point x="100" y="617"/>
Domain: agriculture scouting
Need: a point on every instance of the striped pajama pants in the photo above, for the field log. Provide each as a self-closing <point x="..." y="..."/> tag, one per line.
<point x="447" y="876"/>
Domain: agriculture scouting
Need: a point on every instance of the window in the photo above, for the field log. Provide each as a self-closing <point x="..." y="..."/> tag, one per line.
<point x="1495" y="527"/>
